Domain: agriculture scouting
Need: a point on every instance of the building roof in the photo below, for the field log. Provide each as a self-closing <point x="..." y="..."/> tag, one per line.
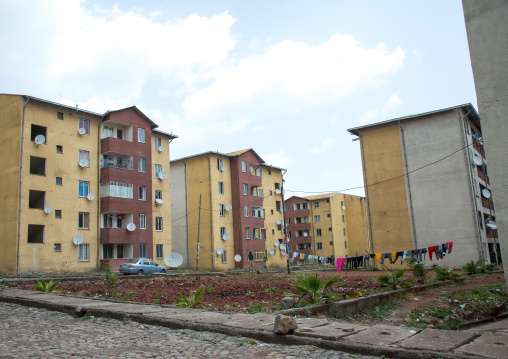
<point x="170" y="135"/>
<point x="238" y="153"/>
<point x="75" y="109"/>
<point x="319" y="196"/>
<point x="472" y="113"/>
<point x="138" y="111"/>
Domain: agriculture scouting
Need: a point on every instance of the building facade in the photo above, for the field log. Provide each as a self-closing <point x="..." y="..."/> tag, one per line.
<point x="80" y="187"/>
<point x="427" y="184"/>
<point x="224" y="206"/>
<point x="327" y="225"/>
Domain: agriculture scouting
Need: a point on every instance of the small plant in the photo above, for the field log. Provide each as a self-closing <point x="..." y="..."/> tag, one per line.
<point x="256" y="308"/>
<point x="248" y="293"/>
<point x="443" y="274"/>
<point x="419" y="272"/>
<point x="312" y="288"/>
<point x="86" y="317"/>
<point x="472" y="267"/>
<point x="489" y="267"/>
<point x="110" y="280"/>
<point x="126" y="318"/>
<point x="153" y="294"/>
<point x="395" y="279"/>
<point x="210" y="288"/>
<point x="42" y="286"/>
<point x="192" y="301"/>
<point x="157" y="301"/>
<point x="164" y="294"/>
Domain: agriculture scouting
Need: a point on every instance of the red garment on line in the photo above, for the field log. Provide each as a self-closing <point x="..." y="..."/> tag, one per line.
<point x="340" y="263"/>
<point x="433" y="249"/>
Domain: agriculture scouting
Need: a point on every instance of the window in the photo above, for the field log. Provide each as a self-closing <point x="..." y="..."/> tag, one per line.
<point x="58" y="213"/>
<point x="286" y="206"/>
<point x="244" y="166"/>
<point x="35" y="233"/>
<point x="84" y="187"/>
<point x="141" y="164"/>
<point x="59" y="149"/>
<point x="245" y="189"/>
<point x="345" y="244"/>
<point x="260" y="193"/>
<point x="158" y="223"/>
<point x="59" y="115"/>
<point x="331" y="243"/>
<point x="83" y="252"/>
<point x="246" y="210"/>
<point x="57" y="247"/>
<point x="222" y="232"/>
<point x="84" y="123"/>
<point x="142" y="193"/>
<point x="318" y="232"/>
<point x="278" y="206"/>
<point x="328" y="215"/>
<point x="288" y="221"/>
<point x="256" y="233"/>
<point x="252" y="191"/>
<point x="158" y="194"/>
<point x="329" y="229"/>
<point x="84" y="155"/>
<point x="141" y="135"/>
<point x="344" y="231"/>
<point x="263" y="233"/>
<point x="269" y="172"/>
<point x="38" y="130"/>
<point x="142" y="221"/>
<point x="116" y="189"/>
<point x="158" y="169"/>
<point x="37" y="166"/>
<point x="224" y="257"/>
<point x="319" y="245"/>
<point x="316" y="205"/>
<point x="327" y="200"/>
<point x="279" y="227"/>
<point x="343" y="219"/>
<point x="247" y="232"/>
<point x="259" y="172"/>
<point x="159" y="251"/>
<point x="259" y="255"/>
<point x="251" y="170"/>
<point x="219" y="164"/>
<point x="273" y="232"/>
<point x="83" y="220"/>
<point x="59" y="181"/>
<point x="108" y="251"/>
<point x="271" y="211"/>
<point x="143" y="250"/>
<point x="157" y="143"/>
<point x="317" y="219"/>
<point x="277" y="186"/>
<point x="258" y="212"/>
<point x="36" y="199"/>
<point x="221" y="210"/>
<point x="107" y="132"/>
<point x="221" y="187"/>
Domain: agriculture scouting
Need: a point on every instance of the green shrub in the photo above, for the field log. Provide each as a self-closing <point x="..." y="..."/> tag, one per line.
<point x="312" y="288"/>
<point x="443" y="274"/>
<point x="395" y="279"/>
<point x="192" y="301"/>
<point x="45" y="287"/>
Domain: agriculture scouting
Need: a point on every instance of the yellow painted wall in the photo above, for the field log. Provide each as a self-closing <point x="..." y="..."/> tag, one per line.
<point x="11" y="112"/>
<point x="338" y="226"/>
<point x="382" y="160"/>
<point x="325" y="223"/>
<point x="43" y="257"/>
<point x="271" y="215"/>
<point x="356" y="225"/>
<point x="161" y="237"/>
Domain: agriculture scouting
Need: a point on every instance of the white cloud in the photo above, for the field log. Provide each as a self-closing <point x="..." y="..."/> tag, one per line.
<point x="327" y="142"/>
<point x="393" y="102"/>
<point x="278" y="159"/>
<point x="368" y="116"/>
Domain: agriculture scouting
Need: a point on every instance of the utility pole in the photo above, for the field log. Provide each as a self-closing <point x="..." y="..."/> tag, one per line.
<point x="285" y="232"/>
<point x="199" y="220"/>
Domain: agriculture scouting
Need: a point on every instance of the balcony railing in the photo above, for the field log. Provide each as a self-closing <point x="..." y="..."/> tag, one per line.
<point x="491" y="233"/>
<point x="486" y="203"/>
<point x="116" y="162"/>
<point x="483" y="176"/>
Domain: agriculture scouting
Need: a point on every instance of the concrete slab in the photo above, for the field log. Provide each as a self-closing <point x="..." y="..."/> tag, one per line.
<point x="135" y="309"/>
<point x="191" y="315"/>
<point x="490" y="345"/>
<point x="311" y="322"/>
<point x="249" y="321"/>
<point x="500" y="325"/>
<point x="382" y="334"/>
<point x="439" y="340"/>
<point x="331" y="331"/>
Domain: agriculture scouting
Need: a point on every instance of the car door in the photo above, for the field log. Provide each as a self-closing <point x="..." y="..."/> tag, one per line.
<point x="146" y="266"/>
<point x="153" y="266"/>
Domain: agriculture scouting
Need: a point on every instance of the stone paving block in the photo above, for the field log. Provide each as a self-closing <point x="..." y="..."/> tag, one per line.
<point x="257" y="321"/>
<point x="382" y="334"/>
<point x="185" y="314"/>
<point x="331" y="331"/>
<point x="134" y="309"/>
<point x="311" y="322"/>
<point x="490" y="345"/>
<point x="439" y="340"/>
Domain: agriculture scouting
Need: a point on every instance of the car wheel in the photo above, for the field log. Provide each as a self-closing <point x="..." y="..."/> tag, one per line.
<point x="126" y="273"/>
<point x="139" y="272"/>
<point x="163" y="271"/>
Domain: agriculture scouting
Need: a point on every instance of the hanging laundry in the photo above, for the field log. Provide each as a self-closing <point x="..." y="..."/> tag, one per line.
<point x="387" y="256"/>
<point x="404" y="255"/>
<point x="450" y="246"/>
<point x="397" y="255"/>
<point x="340" y="263"/>
<point x="378" y="256"/>
<point x="433" y="249"/>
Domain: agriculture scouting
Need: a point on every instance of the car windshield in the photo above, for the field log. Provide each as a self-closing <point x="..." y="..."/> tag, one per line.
<point x="133" y="261"/>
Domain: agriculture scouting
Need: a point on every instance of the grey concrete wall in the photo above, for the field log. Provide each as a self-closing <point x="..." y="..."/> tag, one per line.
<point x="487" y="32"/>
<point x="179" y="233"/>
<point x="441" y="195"/>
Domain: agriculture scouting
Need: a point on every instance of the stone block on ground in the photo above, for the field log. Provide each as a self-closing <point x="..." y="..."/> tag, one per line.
<point x="284" y="324"/>
<point x="490" y="345"/>
<point x="382" y="335"/>
<point x="288" y="302"/>
<point x="439" y="340"/>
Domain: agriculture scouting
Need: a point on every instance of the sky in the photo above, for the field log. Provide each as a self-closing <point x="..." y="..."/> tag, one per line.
<point x="286" y="78"/>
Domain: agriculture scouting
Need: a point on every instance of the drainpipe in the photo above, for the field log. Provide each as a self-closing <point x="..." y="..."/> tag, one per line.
<point x="20" y="183"/>
<point x="285" y="231"/>
<point x="211" y="212"/>
<point x="471" y="186"/>
<point x="367" y="204"/>
<point x="410" y="199"/>
<point x="187" y="211"/>
<point x="99" y="136"/>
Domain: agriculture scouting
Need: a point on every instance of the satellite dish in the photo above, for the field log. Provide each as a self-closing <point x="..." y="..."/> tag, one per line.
<point x="477" y="160"/>
<point x="279" y="221"/>
<point x="163" y="175"/>
<point x="238" y="258"/>
<point x="161" y="148"/>
<point x="225" y="236"/>
<point x="492" y="224"/>
<point x="77" y="239"/>
<point x="305" y="234"/>
<point x="131" y="226"/>
<point x="276" y="243"/>
<point x="158" y="201"/>
<point x="220" y="251"/>
<point x="48" y="209"/>
<point x="83" y="162"/>
<point x="272" y="251"/>
<point x="282" y="247"/>
<point x="82" y="131"/>
<point x="486" y="193"/>
<point x="39" y="139"/>
<point x="229" y="207"/>
<point x="277" y="191"/>
<point x="343" y="207"/>
<point x="90" y="196"/>
<point x="283" y="252"/>
<point x="173" y="260"/>
<point x="223" y="168"/>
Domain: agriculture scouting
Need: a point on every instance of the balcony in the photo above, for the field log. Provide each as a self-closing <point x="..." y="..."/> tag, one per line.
<point x="111" y="161"/>
<point x="486" y="203"/>
<point x="478" y="147"/>
<point x="482" y="175"/>
<point x="491" y="233"/>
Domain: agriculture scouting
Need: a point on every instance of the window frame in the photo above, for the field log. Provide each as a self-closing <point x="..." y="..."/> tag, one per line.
<point x="159" y="224"/>
<point x="157" y="169"/>
<point x="244" y="166"/>
<point x="142" y="221"/>
<point x="159" y="251"/>
<point x="82" y="218"/>
<point x="221" y="187"/>
<point x="86" y="185"/>
<point x="142" y="164"/>
<point x="142" y="193"/>
<point x="221" y="210"/>
<point x="84" y="123"/>
<point x="141" y="135"/>
<point x="247" y="232"/>
<point x="84" y="252"/>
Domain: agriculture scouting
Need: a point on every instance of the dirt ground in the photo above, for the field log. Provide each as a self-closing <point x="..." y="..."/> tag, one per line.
<point x="249" y="292"/>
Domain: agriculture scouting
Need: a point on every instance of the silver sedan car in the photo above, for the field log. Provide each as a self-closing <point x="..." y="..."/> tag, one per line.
<point x="141" y="266"/>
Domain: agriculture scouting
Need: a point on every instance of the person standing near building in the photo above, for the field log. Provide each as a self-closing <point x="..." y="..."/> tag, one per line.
<point x="251" y="262"/>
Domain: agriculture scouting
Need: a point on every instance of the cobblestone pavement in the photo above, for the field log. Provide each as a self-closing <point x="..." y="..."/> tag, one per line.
<point x="39" y="333"/>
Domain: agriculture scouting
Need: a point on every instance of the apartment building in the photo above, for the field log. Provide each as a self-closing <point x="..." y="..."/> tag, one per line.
<point x="427" y="183"/>
<point x="224" y="206"/>
<point x="81" y="188"/>
<point x="326" y="225"/>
